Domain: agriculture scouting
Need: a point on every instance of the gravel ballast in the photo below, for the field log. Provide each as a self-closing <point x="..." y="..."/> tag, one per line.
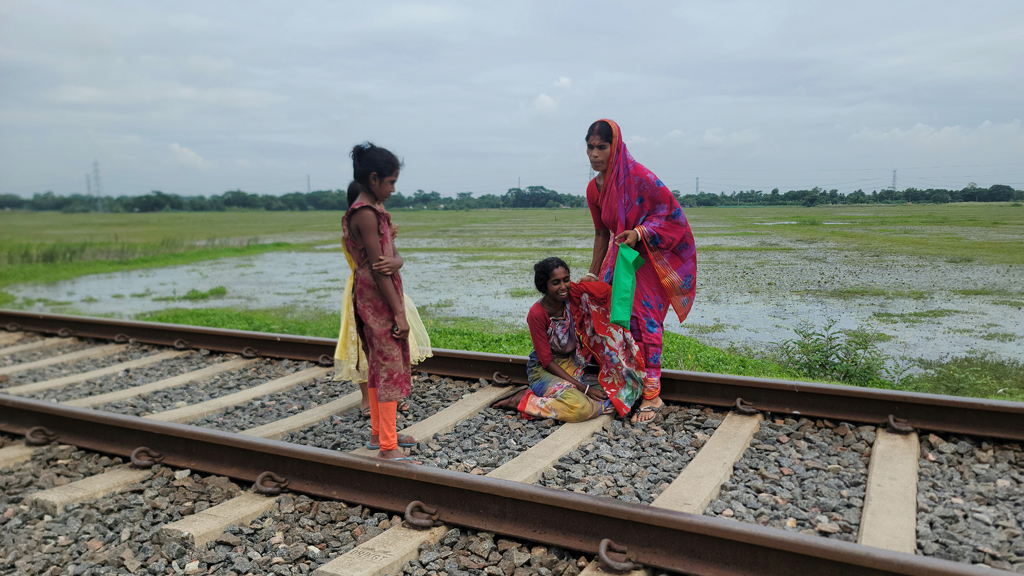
<point x="297" y="536"/>
<point x="116" y="534"/>
<point x="134" y="377"/>
<point x="635" y="462"/>
<point x="71" y="345"/>
<point x="970" y="501"/>
<point x="349" y="431"/>
<point x="8" y="439"/>
<point x="80" y="366"/>
<point x="480" y="444"/>
<point x="215" y="387"/>
<point x="278" y="406"/>
<point x="462" y="552"/>
<point x="26" y="338"/>
<point x="801" y="475"/>
<point x="50" y="466"/>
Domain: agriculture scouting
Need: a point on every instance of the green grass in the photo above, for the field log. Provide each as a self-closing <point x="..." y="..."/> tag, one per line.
<point x="1000" y="336"/>
<point x="1013" y="303"/>
<point x="983" y="292"/>
<point x="913" y="317"/>
<point x="747" y="248"/>
<point x="54" y="272"/>
<point x="704" y="329"/>
<point x="6" y="298"/>
<point x="522" y="292"/>
<point x="979" y="376"/>
<point x="680" y="352"/>
<point x="277" y="320"/>
<point x="29" y="302"/>
<point x="849" y="293"/>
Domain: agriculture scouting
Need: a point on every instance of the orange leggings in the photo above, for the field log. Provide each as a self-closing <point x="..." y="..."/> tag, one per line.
<point x="384" y="421"/>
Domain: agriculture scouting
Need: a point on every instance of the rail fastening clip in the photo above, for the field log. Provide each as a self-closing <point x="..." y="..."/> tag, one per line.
<point x="270" y="484"/>
<point x="418" y="515"/>
<point x="143" y="457"/>
<point x="39" y="436"/>
<point x="610" y="564"/>
<point x="744" y="407"/>
<point x="899" y="425"/>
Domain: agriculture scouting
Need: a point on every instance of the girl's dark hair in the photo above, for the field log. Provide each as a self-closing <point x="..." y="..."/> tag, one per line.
<point x="369" y="159"/>
<point x="601" y="129"/>
<point x="542" y="272"/>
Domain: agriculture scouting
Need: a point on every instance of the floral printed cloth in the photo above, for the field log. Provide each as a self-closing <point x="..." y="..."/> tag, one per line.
<point x="388" y="363"/>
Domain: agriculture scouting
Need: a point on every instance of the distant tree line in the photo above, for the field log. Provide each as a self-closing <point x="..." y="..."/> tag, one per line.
<point x="817" y="196"/>
<point x="157" y="201"/>
<point x="529" y="197"/>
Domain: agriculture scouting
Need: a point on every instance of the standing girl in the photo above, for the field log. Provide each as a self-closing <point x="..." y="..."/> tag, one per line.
<point x="377" y="293"/>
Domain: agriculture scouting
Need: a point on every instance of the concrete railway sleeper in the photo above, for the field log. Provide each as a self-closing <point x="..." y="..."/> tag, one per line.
<point x="692" y="458"/>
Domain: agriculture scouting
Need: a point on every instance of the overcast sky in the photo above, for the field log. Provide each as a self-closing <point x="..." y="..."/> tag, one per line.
<point x="202" y="97"/>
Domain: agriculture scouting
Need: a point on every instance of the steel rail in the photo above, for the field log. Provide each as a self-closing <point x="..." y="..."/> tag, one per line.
<point x="992" y="418"/>
<point x="661" y="538"/>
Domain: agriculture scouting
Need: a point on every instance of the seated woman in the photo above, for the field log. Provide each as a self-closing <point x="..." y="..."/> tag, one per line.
<point x="568" y="325"/>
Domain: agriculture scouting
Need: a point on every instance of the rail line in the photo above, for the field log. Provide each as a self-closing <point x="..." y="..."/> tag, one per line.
<point x="504" y="501"/>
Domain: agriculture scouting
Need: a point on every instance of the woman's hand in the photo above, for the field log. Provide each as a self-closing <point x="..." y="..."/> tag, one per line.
<point x="597" y="393"/>
<point x="629" y="238"/>
<point x="401" y="329"/>
<point x="587" y="278"/>
<point x="388" y="266"/>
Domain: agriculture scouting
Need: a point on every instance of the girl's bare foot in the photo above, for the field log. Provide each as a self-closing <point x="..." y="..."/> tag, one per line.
<point x="648" y="410"/>
<point x="396" y="456"/>
<point x="404" y="441"/>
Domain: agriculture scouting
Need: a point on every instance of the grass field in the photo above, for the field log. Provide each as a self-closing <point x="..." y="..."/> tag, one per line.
<point x="51" y="247"/>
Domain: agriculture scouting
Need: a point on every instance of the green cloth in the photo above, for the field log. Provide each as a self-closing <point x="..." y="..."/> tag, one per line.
<point x="627" y="262"/>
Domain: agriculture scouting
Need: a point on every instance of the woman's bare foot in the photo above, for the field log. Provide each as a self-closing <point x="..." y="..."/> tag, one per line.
<point x="511" y="402"/>
<point x="397" y="456"/>
<point x="648" y="410"/>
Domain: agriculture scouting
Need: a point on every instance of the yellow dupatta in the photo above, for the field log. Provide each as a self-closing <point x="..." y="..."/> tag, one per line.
<point x="349" y="359"/>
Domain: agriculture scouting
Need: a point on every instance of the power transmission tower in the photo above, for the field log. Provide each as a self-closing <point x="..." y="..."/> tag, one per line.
<point x="893" y="187"/>
<point x="88" y="185"/>
<point x="307" y="183"/>
<point x="696" y="189"/>
<point x="97" y="185"/>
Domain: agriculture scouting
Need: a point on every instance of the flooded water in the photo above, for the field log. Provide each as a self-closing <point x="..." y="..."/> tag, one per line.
<point x="751" y="297"/>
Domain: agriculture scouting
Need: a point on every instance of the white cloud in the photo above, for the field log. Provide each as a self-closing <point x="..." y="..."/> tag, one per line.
<point x="718" y="137"/>
<point x="637" y="140"/>
<point x="563" y="82"/>
<point x="545" y="103"/>
<point x="947" y="138"/>
<point x="186" y="156"/>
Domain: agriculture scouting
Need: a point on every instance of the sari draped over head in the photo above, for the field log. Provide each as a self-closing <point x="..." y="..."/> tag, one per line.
<point x="634" y="198"/>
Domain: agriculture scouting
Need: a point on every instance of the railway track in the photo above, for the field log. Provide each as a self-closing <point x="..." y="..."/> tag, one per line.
<point x="737" y="476"/>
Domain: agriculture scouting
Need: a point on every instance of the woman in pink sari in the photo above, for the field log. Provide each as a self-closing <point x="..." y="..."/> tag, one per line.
<point x="630" y="205"/>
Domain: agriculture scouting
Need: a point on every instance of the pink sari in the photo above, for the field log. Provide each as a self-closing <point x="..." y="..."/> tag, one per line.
<point x="633" y="197"/>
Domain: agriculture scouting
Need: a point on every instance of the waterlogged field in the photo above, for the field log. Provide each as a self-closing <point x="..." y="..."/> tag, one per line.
<point x="916" y="286"/>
